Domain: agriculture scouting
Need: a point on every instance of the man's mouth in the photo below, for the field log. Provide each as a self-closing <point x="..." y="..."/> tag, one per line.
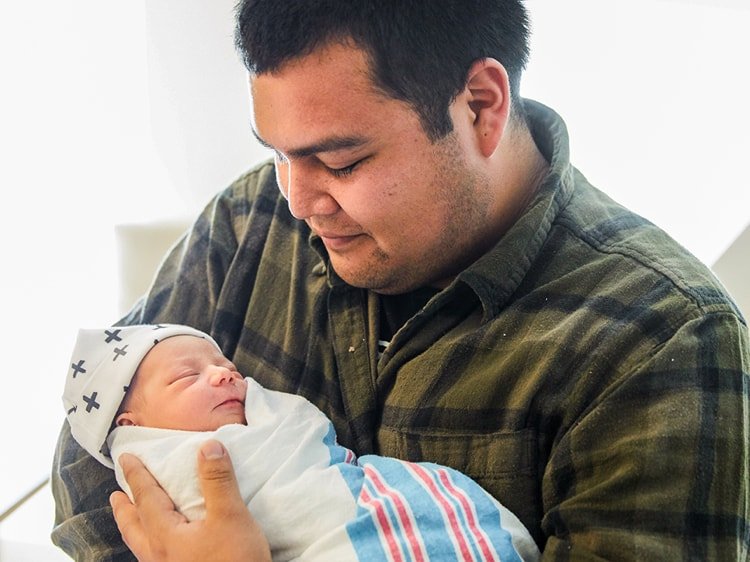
<point x="338" y="241"/>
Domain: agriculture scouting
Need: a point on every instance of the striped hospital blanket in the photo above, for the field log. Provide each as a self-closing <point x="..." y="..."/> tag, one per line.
<point x="316" y="501"/>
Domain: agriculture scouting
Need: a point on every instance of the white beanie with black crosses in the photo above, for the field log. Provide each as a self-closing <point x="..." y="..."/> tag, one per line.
<point x="103" y="363"/>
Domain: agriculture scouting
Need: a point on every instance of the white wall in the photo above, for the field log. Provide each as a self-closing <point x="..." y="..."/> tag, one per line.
<point x="199" y="102"/>
<point x="733" y="268"/>
<point x="74" y="157"/>
<point x="654" y="93"/>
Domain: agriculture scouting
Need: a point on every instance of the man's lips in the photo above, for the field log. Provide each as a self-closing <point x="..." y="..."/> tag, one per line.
<point x="338" y="241"/>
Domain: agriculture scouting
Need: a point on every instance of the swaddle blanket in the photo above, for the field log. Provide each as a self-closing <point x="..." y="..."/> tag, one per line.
<point x="316" y="501"/>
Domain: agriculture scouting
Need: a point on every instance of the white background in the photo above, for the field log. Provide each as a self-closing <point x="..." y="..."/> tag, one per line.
<point x="130" y="111"/>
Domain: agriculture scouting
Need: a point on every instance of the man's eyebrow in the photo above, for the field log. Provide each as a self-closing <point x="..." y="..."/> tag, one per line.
<point x="330" y="144"/>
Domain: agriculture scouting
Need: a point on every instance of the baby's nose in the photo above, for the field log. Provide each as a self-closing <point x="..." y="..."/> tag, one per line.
<point x="221" y="375"/>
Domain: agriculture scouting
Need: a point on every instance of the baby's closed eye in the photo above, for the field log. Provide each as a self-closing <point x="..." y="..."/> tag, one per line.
<point x="185" y="377"/>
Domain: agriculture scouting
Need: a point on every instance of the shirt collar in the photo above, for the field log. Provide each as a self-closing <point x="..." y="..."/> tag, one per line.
<point x="495" y="276"/>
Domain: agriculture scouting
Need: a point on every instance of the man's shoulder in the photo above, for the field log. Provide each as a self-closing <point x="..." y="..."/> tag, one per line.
<point x="258" y="181"/>
<point x="252" y="202"/>
<point x="619" y="244"/>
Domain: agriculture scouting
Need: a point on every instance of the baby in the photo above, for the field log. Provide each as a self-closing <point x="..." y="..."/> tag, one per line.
<point x="160" y="391"/>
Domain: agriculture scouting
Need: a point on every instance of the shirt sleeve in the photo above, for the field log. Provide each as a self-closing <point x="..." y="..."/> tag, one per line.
<point x="657" y="467"/>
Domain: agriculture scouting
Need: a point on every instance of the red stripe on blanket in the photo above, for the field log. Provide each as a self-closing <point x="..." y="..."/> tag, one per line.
<point x="405" y="518"/>
<point x="385" y="529"/>
<point x="470" y="513"/>
<point x="448" y="510"/>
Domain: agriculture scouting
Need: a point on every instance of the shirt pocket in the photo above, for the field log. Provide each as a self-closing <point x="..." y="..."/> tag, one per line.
<point x="496" y="455"/>
<point x="503" y="463"/>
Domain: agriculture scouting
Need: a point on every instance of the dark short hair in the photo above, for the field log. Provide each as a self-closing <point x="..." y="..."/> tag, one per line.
<point x="420" y="51"/>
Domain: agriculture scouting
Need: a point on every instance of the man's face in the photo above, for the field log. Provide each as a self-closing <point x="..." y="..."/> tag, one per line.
<point x="184" y="382"/>
<point x="394" y="210"/>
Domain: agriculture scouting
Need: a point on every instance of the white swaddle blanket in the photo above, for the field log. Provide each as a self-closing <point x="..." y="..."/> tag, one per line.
<point x="315" y="501"/>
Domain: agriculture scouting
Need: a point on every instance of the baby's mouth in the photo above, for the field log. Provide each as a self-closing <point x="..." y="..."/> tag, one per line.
<point x="232" y="402"/>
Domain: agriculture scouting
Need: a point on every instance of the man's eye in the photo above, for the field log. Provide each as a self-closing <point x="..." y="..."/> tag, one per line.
<point x="345" y="171"/>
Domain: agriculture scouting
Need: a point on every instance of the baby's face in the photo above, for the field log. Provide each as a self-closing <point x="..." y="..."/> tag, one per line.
<point x="185" y="383"/>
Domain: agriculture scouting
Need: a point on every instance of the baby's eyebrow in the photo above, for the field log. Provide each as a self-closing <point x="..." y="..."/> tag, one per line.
<point x="226" y="361"/>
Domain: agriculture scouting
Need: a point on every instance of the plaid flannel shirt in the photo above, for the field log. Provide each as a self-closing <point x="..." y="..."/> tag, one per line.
<point x="587" y="371"/>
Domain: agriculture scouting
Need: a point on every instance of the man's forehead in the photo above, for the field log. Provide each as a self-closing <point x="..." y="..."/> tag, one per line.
<point x="303" y="113"/>
<point x="337" y="68"/>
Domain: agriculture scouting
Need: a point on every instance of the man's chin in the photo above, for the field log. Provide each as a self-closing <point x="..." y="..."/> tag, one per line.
<point x="362" y="277"/>
<point x="377" y="273"/>
<point x="381" y="282"/>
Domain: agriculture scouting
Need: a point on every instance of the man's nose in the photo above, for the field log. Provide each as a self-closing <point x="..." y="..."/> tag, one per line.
<point x="305" y="191"/>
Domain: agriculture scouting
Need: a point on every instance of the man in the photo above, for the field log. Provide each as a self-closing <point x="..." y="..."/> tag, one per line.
<point x="445" y="286"/>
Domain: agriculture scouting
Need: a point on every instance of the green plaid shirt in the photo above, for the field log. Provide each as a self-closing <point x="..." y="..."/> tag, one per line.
<point x="587" y="371"/>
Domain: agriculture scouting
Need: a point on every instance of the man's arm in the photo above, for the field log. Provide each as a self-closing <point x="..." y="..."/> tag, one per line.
<point x="657" y="468"/>
<point x="155" y="531"/>
<point x="84" y="527"/>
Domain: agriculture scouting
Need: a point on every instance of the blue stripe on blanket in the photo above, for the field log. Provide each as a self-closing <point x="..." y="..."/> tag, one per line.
<point x="414" y="512"/>
<point x="345" y="460"/>
<point x="422" y="511"/>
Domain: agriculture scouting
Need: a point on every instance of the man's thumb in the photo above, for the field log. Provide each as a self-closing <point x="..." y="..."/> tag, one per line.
<point x="217" y="480"/>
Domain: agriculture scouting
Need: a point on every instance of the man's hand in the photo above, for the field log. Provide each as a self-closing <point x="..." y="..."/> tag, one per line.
<point x="155" y="531"/>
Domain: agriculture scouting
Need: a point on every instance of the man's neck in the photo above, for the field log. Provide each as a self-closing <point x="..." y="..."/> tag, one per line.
<point x="518" y="169"/>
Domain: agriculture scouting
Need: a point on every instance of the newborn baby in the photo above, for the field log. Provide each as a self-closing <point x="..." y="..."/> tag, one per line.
<point x="160" y="391"/>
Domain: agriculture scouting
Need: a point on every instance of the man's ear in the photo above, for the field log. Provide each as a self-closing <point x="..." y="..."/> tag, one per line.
<point x="488" y="90"/>
<point x="126" y="418"/>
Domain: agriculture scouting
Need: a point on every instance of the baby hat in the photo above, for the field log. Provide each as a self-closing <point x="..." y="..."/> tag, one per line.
<point x="102" y="366"/>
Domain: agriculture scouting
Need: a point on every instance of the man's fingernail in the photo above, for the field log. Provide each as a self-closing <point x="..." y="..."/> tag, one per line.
<point x="212" y="450"/>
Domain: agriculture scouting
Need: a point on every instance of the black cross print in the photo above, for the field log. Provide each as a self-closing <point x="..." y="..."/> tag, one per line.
<point x="78" y="368"/>
<point x="120" y="351"/>
<point x="91" y="402"/>
<point x="159" y="327"/>
<point x="72" y="410"/>
<point x="113" y="335"/>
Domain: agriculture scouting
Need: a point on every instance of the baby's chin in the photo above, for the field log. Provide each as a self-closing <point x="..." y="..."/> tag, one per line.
<point x="229" y="413"/>
<point x="235" y="420"/>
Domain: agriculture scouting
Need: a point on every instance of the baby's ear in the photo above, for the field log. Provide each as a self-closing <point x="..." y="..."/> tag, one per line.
<point x="126" y="418"/>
